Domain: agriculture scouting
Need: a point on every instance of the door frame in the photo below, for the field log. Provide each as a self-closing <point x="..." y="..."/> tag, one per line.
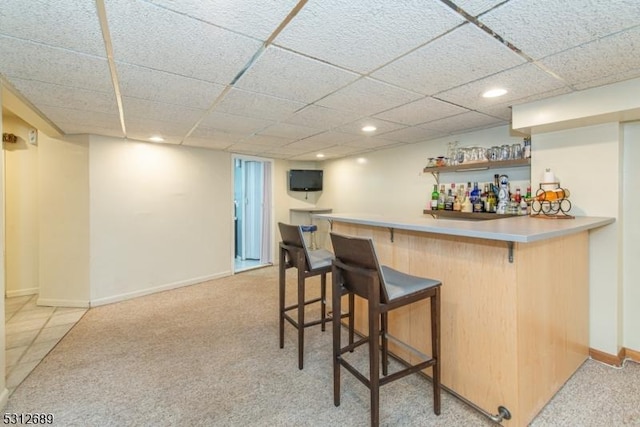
<point x="268" y="230"/>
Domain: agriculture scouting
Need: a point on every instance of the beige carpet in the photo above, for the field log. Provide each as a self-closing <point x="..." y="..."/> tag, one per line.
<point x="208" y="355"/>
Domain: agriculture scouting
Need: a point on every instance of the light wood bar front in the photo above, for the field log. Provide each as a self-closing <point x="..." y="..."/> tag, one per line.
<point x="512" y="332"/>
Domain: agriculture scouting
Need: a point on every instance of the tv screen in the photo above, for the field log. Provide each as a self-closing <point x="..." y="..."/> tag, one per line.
<point x="305" y="180"/>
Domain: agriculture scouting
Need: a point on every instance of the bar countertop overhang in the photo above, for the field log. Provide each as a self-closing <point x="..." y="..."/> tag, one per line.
<point x="524" y="229"/>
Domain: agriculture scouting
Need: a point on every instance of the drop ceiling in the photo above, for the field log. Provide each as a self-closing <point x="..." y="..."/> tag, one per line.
<point x="291" y="79"/>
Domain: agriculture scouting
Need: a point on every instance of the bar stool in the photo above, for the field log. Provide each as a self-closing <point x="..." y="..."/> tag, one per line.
<point x="311" y="229"/>
<point x="356" y="271"/>
<point x="309" y="263"/>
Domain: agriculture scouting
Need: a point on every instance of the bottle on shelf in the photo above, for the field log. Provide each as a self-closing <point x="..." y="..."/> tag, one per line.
<point x="448" y="203"/>
<point x="524" y="208"/>
<point x="457" y="203"/>
<point x="441" y="197"/>
<point x="491" y="202"/>
<point x="434" y="198"/>
<point x="466" y="205"/>
<point x="517" y="196"/>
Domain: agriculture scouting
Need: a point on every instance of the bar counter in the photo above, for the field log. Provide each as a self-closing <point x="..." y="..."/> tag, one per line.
<point x="515" y="301"/>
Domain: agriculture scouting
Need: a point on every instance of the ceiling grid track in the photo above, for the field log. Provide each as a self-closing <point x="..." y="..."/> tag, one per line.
<point x="246" y="68"/>
<point x="106" y="35"/>
<point x="473" y="20"/>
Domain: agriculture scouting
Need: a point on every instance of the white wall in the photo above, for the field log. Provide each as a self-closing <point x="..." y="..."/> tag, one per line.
<point x="586" y="160"/>
<point x="392" y="181"/>
<point x="631" y="236"/>
<point x="161" y="217"/>
<point x="21" y="210"/>
<point x="63" y="180"/>
<point x="4" y="393"/>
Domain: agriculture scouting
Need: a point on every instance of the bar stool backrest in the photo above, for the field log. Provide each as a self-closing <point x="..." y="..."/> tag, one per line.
<point x="293" y="239"/>
<point x="359" y="254"/>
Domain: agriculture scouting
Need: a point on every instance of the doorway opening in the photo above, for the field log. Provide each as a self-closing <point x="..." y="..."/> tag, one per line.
<point x="252" y="201"/>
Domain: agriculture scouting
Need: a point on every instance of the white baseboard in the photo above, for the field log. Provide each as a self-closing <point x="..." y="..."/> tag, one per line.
<point x="21" y="292"/>
<point x="129" y="295"/>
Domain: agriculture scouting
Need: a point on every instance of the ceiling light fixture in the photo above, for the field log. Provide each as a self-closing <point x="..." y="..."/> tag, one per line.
<point x="369" y="128"/>
<point x="156" y="139"/>
<point x="494" y="93"/>
<point x="319" y="155"/>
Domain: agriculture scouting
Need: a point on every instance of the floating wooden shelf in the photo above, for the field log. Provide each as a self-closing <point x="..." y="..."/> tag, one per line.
<point x="480" y="166"/>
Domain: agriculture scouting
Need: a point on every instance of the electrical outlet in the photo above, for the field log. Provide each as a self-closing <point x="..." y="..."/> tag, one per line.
<point x="33" y="136"/>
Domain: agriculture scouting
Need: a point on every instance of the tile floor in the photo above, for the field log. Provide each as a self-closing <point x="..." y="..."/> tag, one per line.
<point x="31" y="332"/>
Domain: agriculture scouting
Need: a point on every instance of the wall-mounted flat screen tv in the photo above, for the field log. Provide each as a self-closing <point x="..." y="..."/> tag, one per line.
<point x="305" y="180"/>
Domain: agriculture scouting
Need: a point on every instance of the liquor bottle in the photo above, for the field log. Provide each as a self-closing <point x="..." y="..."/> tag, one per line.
<point x="441" y="197"/>
<point x="524" y="208"/>
<point x="517" y="196"/>
<point x="457" y="203"/>
<point x="466" y="203"/>
<point x="434" y="197"/>
<point x="448" y="203"/>
<point x="491" y="202"/>
<point x="475" y="193"/>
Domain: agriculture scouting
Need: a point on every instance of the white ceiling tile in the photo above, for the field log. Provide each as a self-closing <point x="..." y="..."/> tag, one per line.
<point x="211" y="144"/>
<point x="343" y="150"/>
<point x="520" y="82"/>
<point x="241" y="102"/>
<point x="48" y="94"/>
<point x="382" y="126"/>
<point x="246" y="148"/>
<point x="47" y="23"/>
<point x="135" y="108"/>
<point x="31" y="61"/>
<point x="266" y="141"/>
<point x="420" y="111"/>
<point x="500" y="111"/>
<point x="362" y="35"/>
<point x="603" y="57"/>
<point x="285" y="130"/>
<point x="285" y="151"/>
<point x="213" y="138"/>
<point x="82" y="121"/>
<point x="613" y="78"/>
<point x="530" y="98"/>
<point x="147" y="35"/>
<point x="255" y="18"/>
<point x="143" y="129"/>
<point x="288" y="75"/>
<point x="367" y="96"/>
<point x="160" y="86"/>
<point x="559" y="24"/>
<point x="370" y="142"/>
<point x="317" y="117"/>
<point x="464" y="55"/>
<point x="308" y="146"/>
<point x="464" y="122"/>
<point x="412" y="134"/>
<point x="234" y="124"/>
<point x="476" y="7"/>
<point x="329" y="138"/>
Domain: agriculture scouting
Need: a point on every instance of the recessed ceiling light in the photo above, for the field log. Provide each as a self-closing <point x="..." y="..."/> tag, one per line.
<point x="361" y="160"/>
<point x="319" y="155"/>
<point x="156" y="139"/>
<point x="369" y="128"/>
<point x="493" y="93"/>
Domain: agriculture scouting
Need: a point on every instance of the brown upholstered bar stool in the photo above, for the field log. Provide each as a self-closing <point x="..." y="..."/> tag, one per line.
<point x="309" y="263"/>
<point x="356" y="271"/>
